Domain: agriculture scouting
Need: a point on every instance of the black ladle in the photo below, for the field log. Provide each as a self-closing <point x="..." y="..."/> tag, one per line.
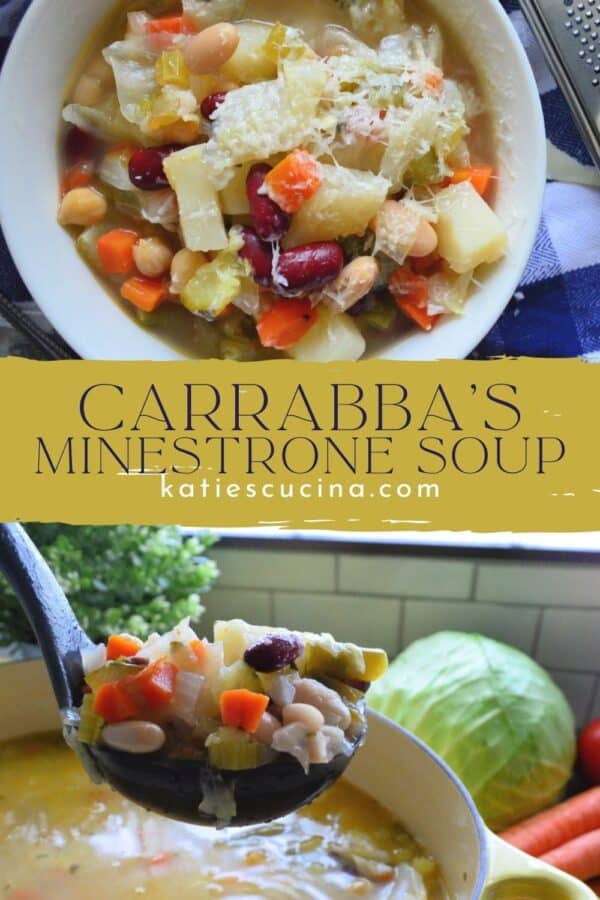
<point x="173" y="787"/>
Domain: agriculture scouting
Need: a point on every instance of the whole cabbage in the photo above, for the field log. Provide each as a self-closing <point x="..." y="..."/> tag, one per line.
<point x="491" y="713"/>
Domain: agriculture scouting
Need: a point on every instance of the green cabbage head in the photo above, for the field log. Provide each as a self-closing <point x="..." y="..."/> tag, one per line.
<point x="491" y="713"/>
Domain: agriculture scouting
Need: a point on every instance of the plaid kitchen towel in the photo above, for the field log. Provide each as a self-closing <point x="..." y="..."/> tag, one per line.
<point x="556" y="310"/>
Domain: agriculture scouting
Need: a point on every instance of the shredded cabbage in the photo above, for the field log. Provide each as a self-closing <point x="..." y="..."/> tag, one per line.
<point x="105" y="121"/>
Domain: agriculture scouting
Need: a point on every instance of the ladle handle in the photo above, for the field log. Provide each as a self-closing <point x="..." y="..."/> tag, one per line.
<point x="58" y="632"/>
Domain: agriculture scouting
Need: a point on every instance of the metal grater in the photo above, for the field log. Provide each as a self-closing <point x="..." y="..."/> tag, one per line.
<point x="569" y="34"/>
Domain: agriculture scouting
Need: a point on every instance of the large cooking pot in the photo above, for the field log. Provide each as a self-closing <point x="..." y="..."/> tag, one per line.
<point x="394" y="768"/>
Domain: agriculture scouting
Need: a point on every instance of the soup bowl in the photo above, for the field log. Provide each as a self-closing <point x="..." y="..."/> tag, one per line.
<point x="32" y="87"/>
<point x="398" y="771"/>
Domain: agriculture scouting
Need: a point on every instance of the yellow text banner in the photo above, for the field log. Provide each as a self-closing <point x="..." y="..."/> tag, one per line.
<point x="510" y="445"/>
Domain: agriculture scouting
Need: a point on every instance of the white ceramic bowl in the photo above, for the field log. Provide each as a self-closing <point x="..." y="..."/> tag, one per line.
<point x="394" y="768"/>
<point x="31" y="94"/>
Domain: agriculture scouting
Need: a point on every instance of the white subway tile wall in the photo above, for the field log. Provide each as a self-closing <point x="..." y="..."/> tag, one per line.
<point x="551" y="611"/>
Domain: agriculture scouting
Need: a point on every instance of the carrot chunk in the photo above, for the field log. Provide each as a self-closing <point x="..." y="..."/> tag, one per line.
<point x="154" y="686"/>
<point x="242" y="709"/>
<point x="411" y="293"/>
<point x="113" y="704"/>
<point x="198" y="648"/>
<point x="479" y="176"/>
<point x="285" y="323"/>
<point x="292" y="181"/>
<point x="78" y="175"/>
<point x="115" y="251"/>
<point x="122" y="645"/>
<point x="145" y="293"/>
<point x="171" y="25"/>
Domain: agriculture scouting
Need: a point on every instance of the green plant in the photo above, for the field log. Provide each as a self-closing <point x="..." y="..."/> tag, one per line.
<point x="118" y="578"/>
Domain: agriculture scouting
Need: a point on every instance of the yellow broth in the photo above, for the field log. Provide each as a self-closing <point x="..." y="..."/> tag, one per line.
<point x="189" y="334"/>
<point x="61" y="836"/>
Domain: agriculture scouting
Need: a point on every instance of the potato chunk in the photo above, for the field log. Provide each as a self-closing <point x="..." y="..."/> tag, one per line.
<point x="199" y="210"/>
<point x="334" y="337"/>
<point x="250" y="63"/>
<point x="344" y="204"/>
<point x="469" y="231"/>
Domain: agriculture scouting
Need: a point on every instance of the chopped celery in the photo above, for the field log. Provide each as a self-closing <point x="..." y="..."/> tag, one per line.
<point x="90" y="725"/>
<point x="171" y="69"/>
<point x="382" y="315"/>
<point x="424" y="170"/>
<point x="112" y="671"/>
<point x="234" y="750"/>
<point x="238" y="675"/>
<point x="325" y="656"/>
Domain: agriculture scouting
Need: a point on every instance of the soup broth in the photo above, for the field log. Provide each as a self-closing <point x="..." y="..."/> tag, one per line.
<point x="63" y="837"/>
<point x="324" y="323"/>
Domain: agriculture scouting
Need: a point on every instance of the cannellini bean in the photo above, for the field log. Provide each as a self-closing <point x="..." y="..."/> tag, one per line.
<point x="267" y="727"/>
<point x="82" y="206"/>
<point x="317" y="748"/>
<point x="207" y="51"/>
<point x="88" y="91"/>
<point x="134" y="737"/>
<point x="184" y="266"/>
<point x="333" y="708"/>
<point x="426" y="240"/>
<point x="309" y="716"/>
<point x="353" y="283"/>
<point x="152" y="257"/>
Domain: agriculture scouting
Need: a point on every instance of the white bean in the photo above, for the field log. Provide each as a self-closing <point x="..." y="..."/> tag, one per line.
<point x="317" y="748"/>
<point x="82" y="206"/>
<point x="207" y="51"/>
<point x="353" y="283"/>
<point x="331" y="705"/>
<point x="309" y="716"/>
<point x="426" y="240"/>
<point x="134" y="737"/>
<point x="267" y="727"/>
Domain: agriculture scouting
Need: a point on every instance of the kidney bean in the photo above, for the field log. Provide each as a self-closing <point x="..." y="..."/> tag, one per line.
<point x="211" y="104"/>
<point x="307" y="268"/>
<point x="80" y="147"/>
<point x="273" y="652"/>
<point x="269" y="220"/>
<point x="259" y="254"/>
<point x="146" y="170"/>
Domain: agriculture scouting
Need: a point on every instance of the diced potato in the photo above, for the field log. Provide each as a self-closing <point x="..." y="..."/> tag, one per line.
<point x="344" y="204"/>
<point x="333" y="337"/>
<point x="214" y="286"/>
<point x="249" y="63"/>
<point x="200" y="214"/>
<point x="469" y="231"/>
<point x="233" y="197"/>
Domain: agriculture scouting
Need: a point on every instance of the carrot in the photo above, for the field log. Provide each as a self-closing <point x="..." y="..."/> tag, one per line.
<point x="579" y="857"/>
<point x="171" y="25"/>
<point x="294" y="180"/>
<point x="554" y="827"/>
<point x="115" y="251"/>
<point x="242" y="709"/>
<point x="285" y="323"/>
<point x="434" y="80"/>
<point x="122" y="645"/>
<point x="198" y="648"/>
<point x="145" y="293"/>
<point x="113" y="704"/>
<point x="427" y="265"/>
<point x="411" y="293"/>
<point x="479" y="176"/>
<point x="154" y="686"/>
<point x="78" y="175"/>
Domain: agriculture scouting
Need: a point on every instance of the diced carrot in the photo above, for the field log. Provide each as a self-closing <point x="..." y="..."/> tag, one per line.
<point x="122" y="645"/>
<point x="79" y="175"/>
<point x="115" y="251"/>
<point x="154" y="686"/>
<point x="479" y="176"/>
<point x="434" y="80"/>
<point x="579" y="857"/>
<point x="292" y="181"/>
<point x="198" y="648"/>
<point x="554" y="827"/>
<point x="411" y="293"/>
<point x="171" y="25"/>
<point x="145" y="293"/>
<point x="285" y="323"/>
<point x="113" y="704"/>
<point x="243" y="709"/>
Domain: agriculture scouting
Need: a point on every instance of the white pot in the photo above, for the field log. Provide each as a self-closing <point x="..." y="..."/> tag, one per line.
<point x="32" y="89"/>
<point x="394" y="768"/>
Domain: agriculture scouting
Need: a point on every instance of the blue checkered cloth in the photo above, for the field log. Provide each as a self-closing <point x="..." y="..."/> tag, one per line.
<point x="556" y="310"/>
